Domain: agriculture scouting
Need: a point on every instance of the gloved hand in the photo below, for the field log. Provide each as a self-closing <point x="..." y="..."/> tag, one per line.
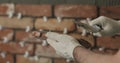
<point x="63" y="44"/>
<point x="109" y="26"/>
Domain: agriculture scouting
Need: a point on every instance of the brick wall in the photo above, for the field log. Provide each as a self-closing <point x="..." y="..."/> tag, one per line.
<point x="18" y="46"/>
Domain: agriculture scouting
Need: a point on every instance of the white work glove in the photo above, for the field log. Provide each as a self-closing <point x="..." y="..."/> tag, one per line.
<point x="109" y="26"/>
<point x="63" y="44"/>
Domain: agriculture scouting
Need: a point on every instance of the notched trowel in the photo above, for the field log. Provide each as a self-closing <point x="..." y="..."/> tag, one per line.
<point x="89" y="28"/>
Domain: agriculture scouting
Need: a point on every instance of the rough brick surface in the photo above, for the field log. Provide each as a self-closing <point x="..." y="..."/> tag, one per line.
<point x="16" y="23"/>
<point x="8" y="58"/>
<point x="53" y="25"/>
<point x="21" y="35"/>
<point x="5" y="8"/>
<point x="15" y="48"/>
<point x="5" y="33"/>
<point x="26" y="36"/>
<point x="62" y="61"/>
<point x="109" y="42"/>
<point x="75" y="11"/>
<point x="47" y="51"/>
<point x="111" y="11"/>
<point x="89" y="40"/>
<point x="22" y="59"/>
<point x="34" y="10"/>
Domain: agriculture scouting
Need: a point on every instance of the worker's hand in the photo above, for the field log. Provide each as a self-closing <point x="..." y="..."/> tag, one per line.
<point x="63" y="44"/>
<point x="109" y="26"/>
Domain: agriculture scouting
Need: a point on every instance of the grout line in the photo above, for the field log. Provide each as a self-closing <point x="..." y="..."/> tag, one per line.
<point x="95" y="42"/>
<point x="98" y="11"/>
<point x="14" y="33"/>
<point x="34" y="19"/>
<point x="52" y="60"/>
<point x="53" y="11"/>
<point x="14" y="57"/>
<point x="34" y="48"/>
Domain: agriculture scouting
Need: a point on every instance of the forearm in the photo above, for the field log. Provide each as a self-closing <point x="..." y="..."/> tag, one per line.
<point x="83" y="55"/>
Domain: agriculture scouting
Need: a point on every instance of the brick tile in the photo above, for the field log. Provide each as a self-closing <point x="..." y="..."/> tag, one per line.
<point x="109" y="42"/>
<point x="47" y="51"/>
<point x="33" y="10"/>
<point x="53" y="25"/>
<point x="62" y="61"/>
<point x="111" y="11"/>
<point x="21" y="59"/>
<point x="83" y="11"/>
<point x="26" y="36"/>
<point x="5" y="8"/>
<point x="21" y="35"/>
<point x="89" y="39"/>
<point x="8" y="57"/>
<point x="16" y="23"/>
<point x="5" y="33"/>
<point x="15" y="48"/>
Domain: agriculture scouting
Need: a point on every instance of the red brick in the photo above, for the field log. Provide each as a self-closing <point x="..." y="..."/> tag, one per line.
<point x="5" y="32"/>
<point x="109" y="42"/>
<point x="21" y="35"/>
<point x="8" y="57"/>
<point x="33" y="10"/>
<point x="16" y="23"/>
<point x="62" y="61"/>
<point x="53" y="25"/>
<point x="89" y="39"/>
<point x="22" y="59"/>
<point x="5" y="8"/>
<point x="83" y="11"/>
<point x="26" y="36"/>
<point x="111" y="11"/>
<point x="15" y="48"/>
<point x="47" y="51"/>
